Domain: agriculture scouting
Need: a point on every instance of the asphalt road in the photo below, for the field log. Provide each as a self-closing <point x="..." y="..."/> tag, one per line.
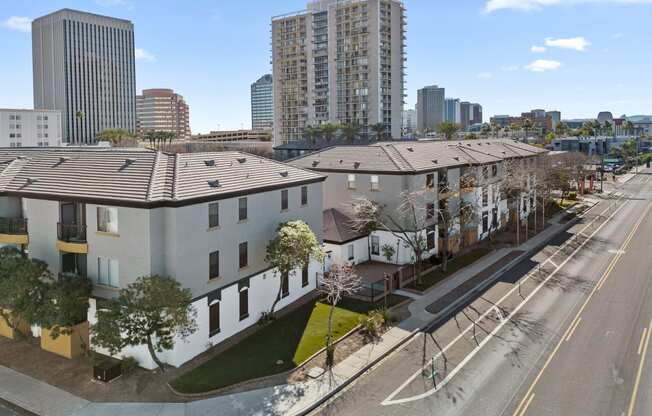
<point x="562" y="333"/>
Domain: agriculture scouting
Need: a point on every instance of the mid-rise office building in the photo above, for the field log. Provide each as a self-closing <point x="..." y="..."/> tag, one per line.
<point x="339" y="61"/>
<point x="466" y="114"/>
<point x="555" y="119"/>
<point x="430" y="108"/>
<point x="29" y="128"/>
<point x="262" y="103"/>
<point x="409" y="121"/>
<point x="475" y="113"/>
<point x="84" y="66"/>
<point x="161" y="109"/>
<point x="452" y="113"/>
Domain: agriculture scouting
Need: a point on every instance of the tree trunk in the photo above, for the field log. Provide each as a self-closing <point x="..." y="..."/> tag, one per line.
<point x="444" y="258"/>
<point x="152" y="353"/>
<point x="330" y="348"/>
<point x="278" y="295"/>
<point x="11" y="324"/>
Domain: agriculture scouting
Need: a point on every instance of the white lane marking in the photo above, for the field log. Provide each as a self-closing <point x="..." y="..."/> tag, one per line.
<point x="390" y="399"/>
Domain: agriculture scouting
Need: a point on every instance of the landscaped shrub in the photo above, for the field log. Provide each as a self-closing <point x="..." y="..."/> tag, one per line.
<point x="572" y="196"/>
<point x="373" y="322"/>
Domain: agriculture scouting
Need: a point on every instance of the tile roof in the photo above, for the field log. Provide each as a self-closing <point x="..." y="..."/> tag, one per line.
<point x="140" y="177"/>
<point x="412" y="157"/>
<point x="337" y="227"/>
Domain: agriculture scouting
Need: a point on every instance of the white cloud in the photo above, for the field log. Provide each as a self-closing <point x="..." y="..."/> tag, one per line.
<point x="510" y="68"/>
<point x="22" y="24"/>
<point x="578" y="43"/>
<point x="541" y="65"/>
<point x="538" y="49"/>
<point x="617" y="36"/>
<point x="485" y="75"/>
<point x="143" y="55"/>
<point x="529" y="5"/>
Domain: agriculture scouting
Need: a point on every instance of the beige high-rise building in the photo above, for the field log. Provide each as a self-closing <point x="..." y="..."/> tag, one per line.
<point x="161" y="109"/>
<point x="340" y="61"/>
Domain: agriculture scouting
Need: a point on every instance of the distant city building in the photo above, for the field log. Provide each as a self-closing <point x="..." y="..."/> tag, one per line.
<point x="338" y="62"/>
<point x="555" y="118"/>
<point x="84" y="66"/>
<point x="430" y="108"/>
<point x="409" y="121"/>
<point x="501" y="120"/>
<point x="538" y="113"/>
<point x="577" y="123"/>
<point x="233" y="135"/>
<point x="161" y="109"/>
<point x="262" y="103"/>
<point x="475" y="113"/>
<point x="605" y="116"/>
<point x="30" y="128"/>
<point x="465" y="114"/>
<point x="452" y="112"/>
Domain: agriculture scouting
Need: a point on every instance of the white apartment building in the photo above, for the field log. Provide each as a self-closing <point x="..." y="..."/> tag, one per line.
<point x="30" y="128"/>
<point x="202" y="218"/>
<point x="341" y="62"/>
<point x="84" y="66"/>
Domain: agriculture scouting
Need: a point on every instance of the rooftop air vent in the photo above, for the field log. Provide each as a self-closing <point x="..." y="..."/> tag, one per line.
<point x="284" y="173"/>
<point x="32" y="180"/>
<point x="341" y="161"/>
<point x="434" y="161"/>
<point x="130" y="161"/>
<point x="315" y="163"/>
<point x="214" y="183"/>
<point x="410" y="149"/>
<point x="209" y="162"/>
<point x="456" y="158"/>
<point x="356" y="165"/>
<point x="242" y="159"/>
<point x="63" y="159"/>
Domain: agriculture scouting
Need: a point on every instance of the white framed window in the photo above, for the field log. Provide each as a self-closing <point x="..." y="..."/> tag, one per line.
<point x="108" y="272"/>
<point x="107" y="219"/>
<point x="350" y="181"/>
<point x="375" y="184"/>
<point x="375" y="245"/>
<point x="351" y="252"/>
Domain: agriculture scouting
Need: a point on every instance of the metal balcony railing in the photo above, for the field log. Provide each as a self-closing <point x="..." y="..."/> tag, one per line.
<point x="13" y="226"/>
<point x="71" y="233"/>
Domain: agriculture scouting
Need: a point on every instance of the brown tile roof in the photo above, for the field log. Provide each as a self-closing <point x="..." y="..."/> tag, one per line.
<point x="142" y="177"/>
<point x="337" y="227"/>
<point x="412" y="157"/>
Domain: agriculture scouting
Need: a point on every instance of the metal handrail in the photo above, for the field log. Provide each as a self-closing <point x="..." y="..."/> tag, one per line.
<point x="13" y="226"/>
<point x="71" y="233"/>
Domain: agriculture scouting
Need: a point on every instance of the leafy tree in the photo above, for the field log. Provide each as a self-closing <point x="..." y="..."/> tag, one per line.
<point x="448" y="129"/>
<point x="338" y="281"/>
<point x="23" y="285"/>
<point x="629" y="127"/>
<point x="379" y="131"/>
<point x="65" y="305"/>
<point x="153" y="311"/>
<point x="311" y="134"/>
<point x="350" y="132"/>
<point x="626" y="151"/>
<point x="295" y="244"/>
<point x="114" y="136"/>
<point x="328" y="131"/>
<point x="550" y="137"/>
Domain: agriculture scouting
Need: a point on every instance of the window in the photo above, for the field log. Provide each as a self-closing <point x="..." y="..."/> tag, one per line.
<point x="285" y="285"/>
<point x="375" y="185"/>
<point x="430" y="240"/>
<point x="485" y="197"/>
<point x="284" y="200"/>
<point x="494" y="170"/>
<point x="304" y="276"/>
<point x="485" y="222"/>
<point x="108" y="272"/>
<point x="244" y="299"/>
<point x="107" y="220"/>
<point x="304" y="195"/>
<point x="213" y="215"/>
<point x="430" y="181"/>
<point x="242" y="209"/>
<point x="214" y="318"/>
<point x="494" y="218"/>
<point x="244" y="256"/>
<point x="214" y="265"/>
<point x="351" y="251"/>
<point x="430" y="211"/>
<point x="350" y="182"/>
<point x="485" y="172"/>
<point x="375" y="245"/>
<point x="443" y="181"/>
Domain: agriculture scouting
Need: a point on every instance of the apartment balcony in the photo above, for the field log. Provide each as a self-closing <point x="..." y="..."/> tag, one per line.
<point x="71" y="238"/>
<point x="13" y="231"/>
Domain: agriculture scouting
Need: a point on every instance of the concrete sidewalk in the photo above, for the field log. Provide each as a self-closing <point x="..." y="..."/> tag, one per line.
<point x="288" y="399"/>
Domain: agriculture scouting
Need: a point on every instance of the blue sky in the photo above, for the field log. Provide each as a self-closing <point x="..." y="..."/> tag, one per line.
<point x="578" y="56"/>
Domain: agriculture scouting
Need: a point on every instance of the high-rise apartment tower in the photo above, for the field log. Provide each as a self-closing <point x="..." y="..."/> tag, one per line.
<point x="262" y="103"/>
<point x="83" y="66"/>
<point x="430" y="108"/>
<point x="161" y="109"/>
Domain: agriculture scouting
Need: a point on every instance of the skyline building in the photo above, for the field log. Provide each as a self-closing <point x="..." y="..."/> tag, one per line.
<point x="161" y="109"/>
<point x="262" y="103"/>
<point x="83" y="66"/>
<point x="341" y="62"/>
<point x="465" y="114"/>
<point x="430" y="108"/>
<point x="475" y="114"/>
<point x="452" y="110"/>
<point x="29" y="128"/>
<point x="409" y="121"/>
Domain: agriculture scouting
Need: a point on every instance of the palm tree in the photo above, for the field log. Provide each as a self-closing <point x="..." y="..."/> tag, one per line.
<point x="350" y="132"/>
<point x="629" y="127"/>
<point x="328" y="131"/>
<point x="311" y="134"/>
<point x="607" y="127"/>
<point x="379" y="131"/>
<point x="114" y="136"/>
<point x="448" y="129"/>
<point x="527" y="126"/>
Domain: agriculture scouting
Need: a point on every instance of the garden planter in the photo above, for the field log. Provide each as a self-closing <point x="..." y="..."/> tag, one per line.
<point x="8" y="332"/>
<point x="66" y="345"/>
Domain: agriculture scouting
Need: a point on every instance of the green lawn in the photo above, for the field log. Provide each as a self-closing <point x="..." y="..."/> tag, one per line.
<point x="292" y="338"/>
<point x="457" y="263"/>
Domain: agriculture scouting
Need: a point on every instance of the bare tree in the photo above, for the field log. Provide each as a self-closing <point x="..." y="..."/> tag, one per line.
<point x="516" y="182"/>
<point x="339" y="281"/>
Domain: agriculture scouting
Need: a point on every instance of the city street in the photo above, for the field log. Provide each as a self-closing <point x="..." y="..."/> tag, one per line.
<point x="565" y="332"/>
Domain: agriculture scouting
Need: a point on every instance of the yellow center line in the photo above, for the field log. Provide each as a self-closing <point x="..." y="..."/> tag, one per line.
<point x="527" y="404"/>
<point x="579" y="313"/>
<point x="640" y="345"/>
<point x="632" y="402"/>
<point x="570" y="334"/>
